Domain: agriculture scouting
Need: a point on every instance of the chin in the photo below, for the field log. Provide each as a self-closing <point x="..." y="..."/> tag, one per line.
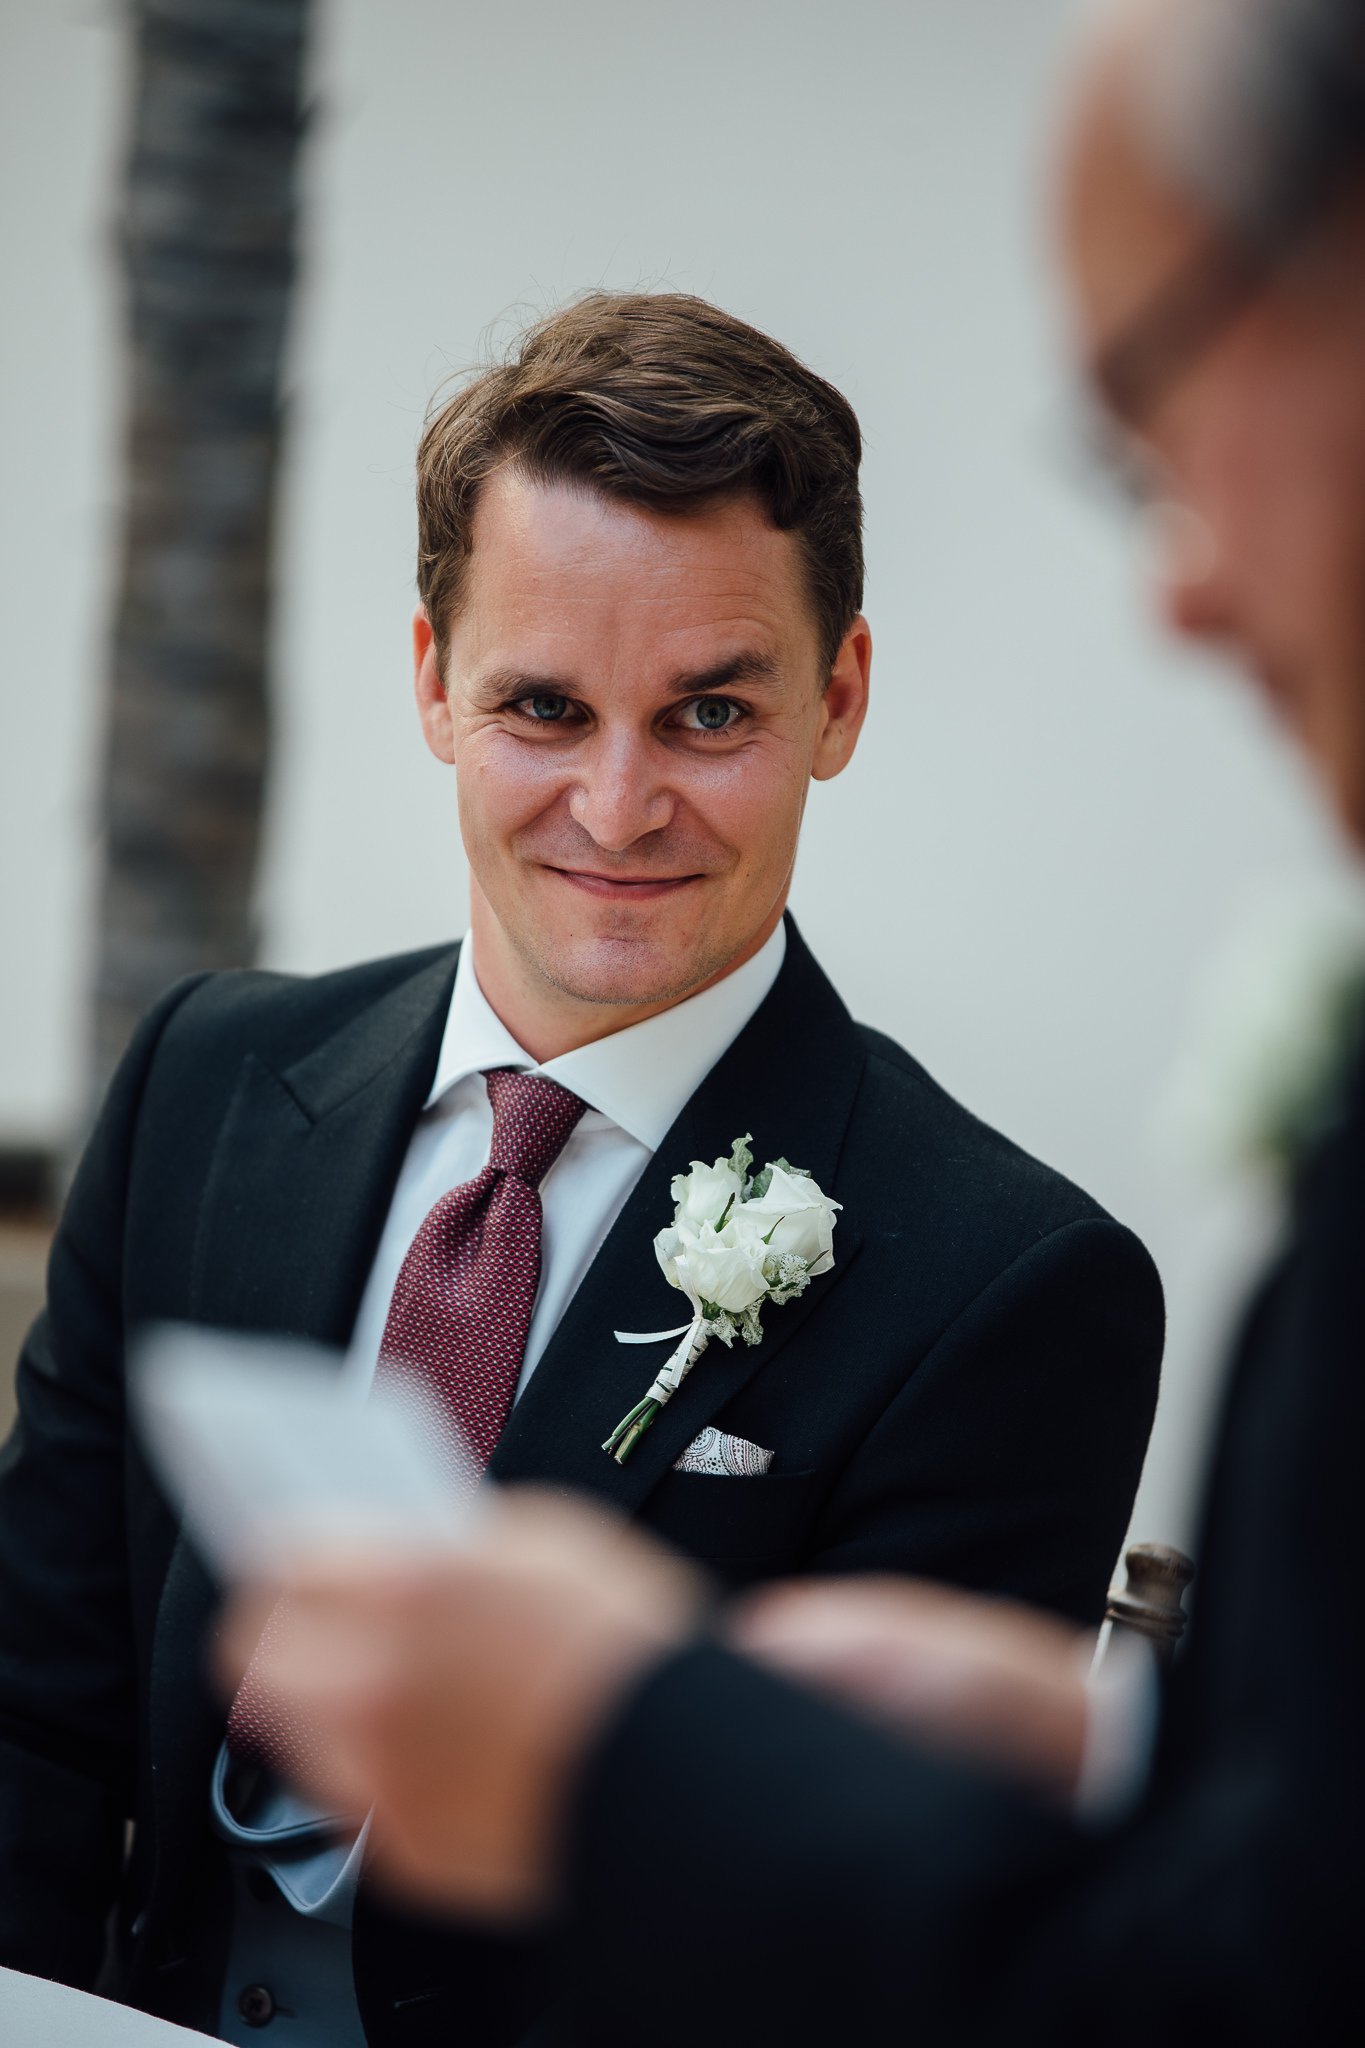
<point x="624" y="973"/>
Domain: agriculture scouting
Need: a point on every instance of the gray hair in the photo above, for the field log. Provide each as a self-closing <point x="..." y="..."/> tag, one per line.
<point x="1256" y="108"/>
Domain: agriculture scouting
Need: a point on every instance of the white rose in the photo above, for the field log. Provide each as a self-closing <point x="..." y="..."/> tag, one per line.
<point x="718" y="1270"/>
<point x="799" y="1216"/>
<point x="704" y="1194"/>
<point x="747" y="1229"/>
<point x="669" y="1246"/>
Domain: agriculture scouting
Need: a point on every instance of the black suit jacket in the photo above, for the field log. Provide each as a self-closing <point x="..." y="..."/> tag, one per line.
<point x="841" y="1888"/>
<point x="968" y="1394"/>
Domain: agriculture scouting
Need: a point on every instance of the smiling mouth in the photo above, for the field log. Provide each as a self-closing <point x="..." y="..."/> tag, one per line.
<point x="624" y="888"/>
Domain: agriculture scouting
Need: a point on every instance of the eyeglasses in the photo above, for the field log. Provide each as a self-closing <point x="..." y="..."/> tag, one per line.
<point x="1191" y="312"/>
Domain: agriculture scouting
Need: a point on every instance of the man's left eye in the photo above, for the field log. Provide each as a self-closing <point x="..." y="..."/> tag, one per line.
<point x="711" y="714"/>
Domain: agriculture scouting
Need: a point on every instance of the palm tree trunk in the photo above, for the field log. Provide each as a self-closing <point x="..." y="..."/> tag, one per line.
<point x="208" y="246"/>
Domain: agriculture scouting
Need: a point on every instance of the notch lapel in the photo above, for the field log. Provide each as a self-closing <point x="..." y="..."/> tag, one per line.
<point x="790" y="1078"/>
<point x="294" y="1201"/>
<point x="305" y="1166"/>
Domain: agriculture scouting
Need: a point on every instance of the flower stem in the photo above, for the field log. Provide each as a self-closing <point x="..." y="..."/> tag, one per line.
<point x="630" y="1429"/>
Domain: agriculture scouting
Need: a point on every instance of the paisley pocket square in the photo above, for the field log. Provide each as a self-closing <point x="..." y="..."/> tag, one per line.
<point x="724" y="1457"/>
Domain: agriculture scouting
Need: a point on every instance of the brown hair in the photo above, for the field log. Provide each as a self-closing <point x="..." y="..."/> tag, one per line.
<point x="658" y="400"/>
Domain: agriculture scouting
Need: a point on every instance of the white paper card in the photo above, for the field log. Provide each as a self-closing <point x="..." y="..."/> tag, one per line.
<point x="265" y="1444"/>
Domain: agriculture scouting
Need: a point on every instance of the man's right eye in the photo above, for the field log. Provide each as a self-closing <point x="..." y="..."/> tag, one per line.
<point x="545" y="707"/>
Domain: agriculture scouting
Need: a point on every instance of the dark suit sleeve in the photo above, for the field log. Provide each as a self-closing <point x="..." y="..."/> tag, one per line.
<point x="67" y="1663"/>
<point x="787" y="1873"/>
<point x="809" y="1880"/>
<point x="1009" y="1460"/>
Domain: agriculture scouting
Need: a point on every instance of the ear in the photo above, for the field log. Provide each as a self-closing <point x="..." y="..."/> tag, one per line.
<point x="433" y="705"/>
<point x="844" y="705"/>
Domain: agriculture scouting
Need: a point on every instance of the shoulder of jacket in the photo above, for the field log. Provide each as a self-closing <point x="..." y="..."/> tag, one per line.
<point x="904" y="1113"/>
<point x="256" y="1009"/>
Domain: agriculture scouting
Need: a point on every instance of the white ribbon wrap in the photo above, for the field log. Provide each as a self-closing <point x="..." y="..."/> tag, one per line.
<point x="695" y="1338"/>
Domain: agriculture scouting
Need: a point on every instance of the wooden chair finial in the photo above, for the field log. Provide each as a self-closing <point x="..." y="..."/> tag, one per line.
<point x="1150" y="1602"/>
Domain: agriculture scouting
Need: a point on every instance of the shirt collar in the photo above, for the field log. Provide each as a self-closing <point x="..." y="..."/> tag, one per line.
<point x="639" y="1077"/>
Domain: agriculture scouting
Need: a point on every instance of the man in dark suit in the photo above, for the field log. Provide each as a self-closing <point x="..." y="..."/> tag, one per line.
<point x="738" y="1860"/>
<point x="640" y="640"/>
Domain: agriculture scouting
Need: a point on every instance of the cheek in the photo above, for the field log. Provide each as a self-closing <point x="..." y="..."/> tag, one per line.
<point x="1302" y="508"/>
<point x="1325" y="577"/>
<point x="502" y="785"/>
<point x="1297" y="536"/>
<point x="1305" y="553"/>
<point x="1284" y="535"/>
<point x="752" y="800"/>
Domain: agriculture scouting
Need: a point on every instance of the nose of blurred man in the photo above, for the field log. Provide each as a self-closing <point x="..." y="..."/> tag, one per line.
<point x="1193" y="583"/>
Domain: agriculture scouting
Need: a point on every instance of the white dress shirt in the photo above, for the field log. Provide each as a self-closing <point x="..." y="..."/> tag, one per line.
<point x="297" y="1947"/>
<point x="635" y="1083"/>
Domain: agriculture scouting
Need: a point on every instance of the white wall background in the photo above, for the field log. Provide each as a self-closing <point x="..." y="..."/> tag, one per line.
<point x="1053" y="817"/>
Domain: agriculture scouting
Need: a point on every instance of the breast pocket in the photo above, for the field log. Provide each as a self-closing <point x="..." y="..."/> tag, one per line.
<point x="744" y="1528"/>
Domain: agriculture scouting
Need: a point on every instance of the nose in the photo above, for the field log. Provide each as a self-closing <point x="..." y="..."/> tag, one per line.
<point x="1192" y="582"/>
<point x="622" y="794"/>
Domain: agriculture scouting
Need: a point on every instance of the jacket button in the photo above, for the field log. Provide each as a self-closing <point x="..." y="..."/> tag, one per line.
<point x="256" y="2005"/>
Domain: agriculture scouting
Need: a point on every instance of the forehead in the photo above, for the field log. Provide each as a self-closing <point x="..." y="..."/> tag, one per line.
<point x="1125" y="232"/>
<point x="563" y="563"/>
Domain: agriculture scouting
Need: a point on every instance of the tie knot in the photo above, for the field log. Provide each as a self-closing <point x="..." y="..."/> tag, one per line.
<point x="532" y="1119"/>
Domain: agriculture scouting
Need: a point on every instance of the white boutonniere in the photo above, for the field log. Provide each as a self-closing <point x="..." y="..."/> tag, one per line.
<point x="737" y="1240"/>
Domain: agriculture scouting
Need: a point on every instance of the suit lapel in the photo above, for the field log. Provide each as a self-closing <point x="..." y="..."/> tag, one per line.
<point x="294" y="1201"/>
<point x="305" y="1167"/>
<point x="789" y="1078"/>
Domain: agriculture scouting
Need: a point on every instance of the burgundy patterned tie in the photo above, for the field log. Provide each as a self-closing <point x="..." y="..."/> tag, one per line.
<point x="462" y="1307"/>
<point x="456" y="1327"/>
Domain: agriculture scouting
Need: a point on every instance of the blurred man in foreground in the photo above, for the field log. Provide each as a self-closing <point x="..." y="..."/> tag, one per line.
<point x="737" y="1860"/>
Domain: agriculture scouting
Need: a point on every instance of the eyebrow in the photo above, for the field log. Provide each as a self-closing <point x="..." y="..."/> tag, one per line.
<point x="703" y="682"/>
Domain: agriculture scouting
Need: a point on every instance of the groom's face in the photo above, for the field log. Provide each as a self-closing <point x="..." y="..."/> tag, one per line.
<point x="635" y="705"/>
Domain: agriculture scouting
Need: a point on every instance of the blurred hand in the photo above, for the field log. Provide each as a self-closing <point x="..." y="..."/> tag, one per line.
<point x="455" y="1694"/>
<point x="996" y="1684"/>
